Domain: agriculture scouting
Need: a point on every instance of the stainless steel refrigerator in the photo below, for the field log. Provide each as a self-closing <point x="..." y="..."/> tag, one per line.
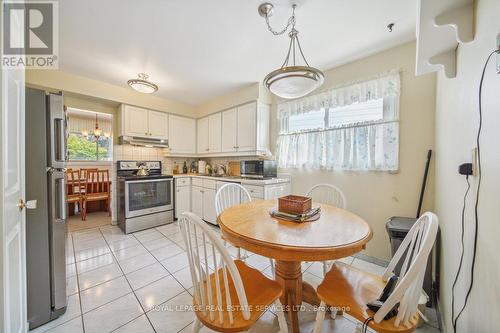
<point x="45" y="223"/>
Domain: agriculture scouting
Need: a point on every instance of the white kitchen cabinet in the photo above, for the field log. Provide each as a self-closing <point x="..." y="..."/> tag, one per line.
<point x="215" y="133"/>
<point x="203" y="203"/>
<point x="141" y="122"/>
<point x="202" y="131"/>
<point x="229" y="130"/>
<point x="182" y="200"/>
<point x="134" y="121"/>
<point x="158" y="124"/>
<point x="276" y="191"/>
<point x="197" y="201"/>
<point x="182" y="135"/>
<point x="267" y="192"/>
<point x="209" y="134"/>
<point x="247" y="127"/>
<point x="209" y="213"/>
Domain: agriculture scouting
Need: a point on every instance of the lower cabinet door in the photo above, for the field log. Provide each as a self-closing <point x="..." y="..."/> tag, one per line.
<point x="197" y="201"/>
<point x="182" y="200"/>
<point x="209" y="213"/>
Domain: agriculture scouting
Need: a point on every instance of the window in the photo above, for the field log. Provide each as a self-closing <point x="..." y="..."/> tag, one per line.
<point x="84" y="142"/>
<point x="356" y="113"/>
<point x="355" y="127"/>
<point x="307" y="121"/>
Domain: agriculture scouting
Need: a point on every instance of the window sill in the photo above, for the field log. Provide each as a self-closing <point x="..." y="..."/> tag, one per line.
<point x="87" y="162"/>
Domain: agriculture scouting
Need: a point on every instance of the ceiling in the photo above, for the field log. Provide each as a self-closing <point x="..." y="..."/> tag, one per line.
<point x="196" y="50"/>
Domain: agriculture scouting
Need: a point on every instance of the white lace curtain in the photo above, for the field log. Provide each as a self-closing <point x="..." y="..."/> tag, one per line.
<point x="372" y="145"/>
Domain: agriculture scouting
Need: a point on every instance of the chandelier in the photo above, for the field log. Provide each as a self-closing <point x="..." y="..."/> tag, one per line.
<point x="290" y="80"/>
<point x="96" y="132"/>
<point x="142" y="85"/>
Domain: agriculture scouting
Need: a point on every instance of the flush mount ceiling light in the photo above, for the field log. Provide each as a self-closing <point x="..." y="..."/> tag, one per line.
<point x="290" y="81"/>
<point x="141" y="84"/>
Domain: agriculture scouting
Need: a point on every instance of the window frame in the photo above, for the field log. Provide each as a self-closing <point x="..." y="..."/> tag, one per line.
<point x="110" y="146"/>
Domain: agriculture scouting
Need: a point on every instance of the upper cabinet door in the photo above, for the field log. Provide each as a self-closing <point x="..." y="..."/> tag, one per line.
<point x="247" y="127"/>
<point x="135" y="121"/>
<point x="229" y="130"/>
<point x="203" y="136"/>
<point x="158" y="124"/>
<point x="215" y="133"/>
<point x="182" y="135"/>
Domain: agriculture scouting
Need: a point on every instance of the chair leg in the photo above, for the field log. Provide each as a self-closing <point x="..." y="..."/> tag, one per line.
<point x="359" y="328"/>
<point x="84" y="210"/>
<point x="196" y="326"/>
<point x="325" y="267"/>
<point x="272" y="267"/>
<point x="320" y="317"/>
<point x="281" y="316"/>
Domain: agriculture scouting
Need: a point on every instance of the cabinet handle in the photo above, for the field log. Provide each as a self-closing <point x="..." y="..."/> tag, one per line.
<point x="207" y="149"/>
<point x="146" y="133"/>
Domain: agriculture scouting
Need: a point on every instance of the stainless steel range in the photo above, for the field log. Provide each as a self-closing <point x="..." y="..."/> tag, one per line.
<point x="145" y="196"/>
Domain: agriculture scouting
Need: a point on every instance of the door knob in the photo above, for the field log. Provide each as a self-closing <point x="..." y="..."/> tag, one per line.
<point x="30" y="204"/>
<point x="21" y="204"/>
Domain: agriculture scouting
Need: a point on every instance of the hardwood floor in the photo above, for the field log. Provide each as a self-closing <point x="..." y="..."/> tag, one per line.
<point x="94" y="220"/>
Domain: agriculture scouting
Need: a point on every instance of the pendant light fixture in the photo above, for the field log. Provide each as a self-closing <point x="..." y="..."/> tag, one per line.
<point x="290" y="80"/>
<point x="96" y="132"/>
<point x="142" y="85"/>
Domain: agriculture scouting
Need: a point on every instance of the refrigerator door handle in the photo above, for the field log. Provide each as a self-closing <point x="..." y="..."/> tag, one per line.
<point x="62" y="199"/>
<point x="57" y="234"/>
<point x="60" y="125"/>
<point x="56" y="129"/>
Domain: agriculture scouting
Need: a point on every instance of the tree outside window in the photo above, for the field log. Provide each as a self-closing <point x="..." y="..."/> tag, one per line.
<point x="83" y="145"/>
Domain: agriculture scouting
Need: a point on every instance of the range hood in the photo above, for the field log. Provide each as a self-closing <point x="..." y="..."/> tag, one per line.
<point x="141" y="141"/>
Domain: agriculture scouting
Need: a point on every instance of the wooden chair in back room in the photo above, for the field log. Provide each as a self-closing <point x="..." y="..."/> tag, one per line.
<point x="97" y="189"/>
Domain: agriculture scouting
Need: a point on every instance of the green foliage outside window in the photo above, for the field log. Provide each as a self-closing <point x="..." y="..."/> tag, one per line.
<point x="81" y="148"/>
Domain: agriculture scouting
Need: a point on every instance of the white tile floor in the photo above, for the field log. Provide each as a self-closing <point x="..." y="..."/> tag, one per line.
<point x="133" y="283"/>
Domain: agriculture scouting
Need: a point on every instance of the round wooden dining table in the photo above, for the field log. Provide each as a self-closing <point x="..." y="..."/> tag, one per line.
<point x="336" y="234"/>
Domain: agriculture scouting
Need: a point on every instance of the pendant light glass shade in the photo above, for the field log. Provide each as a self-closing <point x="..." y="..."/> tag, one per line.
<point x="142" y="85"/>
<point x="292" y="81"/>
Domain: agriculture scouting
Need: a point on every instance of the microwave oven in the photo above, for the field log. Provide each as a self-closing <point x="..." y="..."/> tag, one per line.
<point x="258" y="169"/>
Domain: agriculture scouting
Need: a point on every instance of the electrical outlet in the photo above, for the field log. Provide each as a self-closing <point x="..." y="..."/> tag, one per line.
<point x="474" y="162"/>
<point x="498" y="54"/>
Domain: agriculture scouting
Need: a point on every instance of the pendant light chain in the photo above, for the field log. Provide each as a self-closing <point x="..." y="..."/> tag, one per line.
<point x="291" y="22"/>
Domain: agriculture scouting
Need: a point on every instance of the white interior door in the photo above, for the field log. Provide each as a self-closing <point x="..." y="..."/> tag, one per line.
<point x="13" y="292"/>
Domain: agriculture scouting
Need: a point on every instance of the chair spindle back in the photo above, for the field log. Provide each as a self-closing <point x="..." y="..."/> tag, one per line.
<point x="210" y="263"/>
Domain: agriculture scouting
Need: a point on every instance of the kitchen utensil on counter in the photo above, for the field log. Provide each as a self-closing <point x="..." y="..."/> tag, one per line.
<point x="185" y="168"/>
<point x="194" y="169"/>
<point x="202" y="167"/>
<point x="220" y="170"/>
<point x="143" y="170"/>
<point x="233" y="168"/>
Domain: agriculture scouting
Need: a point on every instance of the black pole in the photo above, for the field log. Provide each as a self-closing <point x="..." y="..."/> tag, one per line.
<point x="424" y="182"/>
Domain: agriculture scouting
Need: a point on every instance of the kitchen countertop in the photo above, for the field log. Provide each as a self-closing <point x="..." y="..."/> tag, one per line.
<point x="236" y="179"/>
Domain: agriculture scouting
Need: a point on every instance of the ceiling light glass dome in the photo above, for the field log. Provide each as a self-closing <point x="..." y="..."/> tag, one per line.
<point x="142" y="85"/>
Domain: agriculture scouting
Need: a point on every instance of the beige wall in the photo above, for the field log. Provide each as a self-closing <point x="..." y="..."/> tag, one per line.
<point x="240" y="96"/>
<point x="456" y="125"/>
<point x="70" y="83"/>
<point x="376" y="196"/>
